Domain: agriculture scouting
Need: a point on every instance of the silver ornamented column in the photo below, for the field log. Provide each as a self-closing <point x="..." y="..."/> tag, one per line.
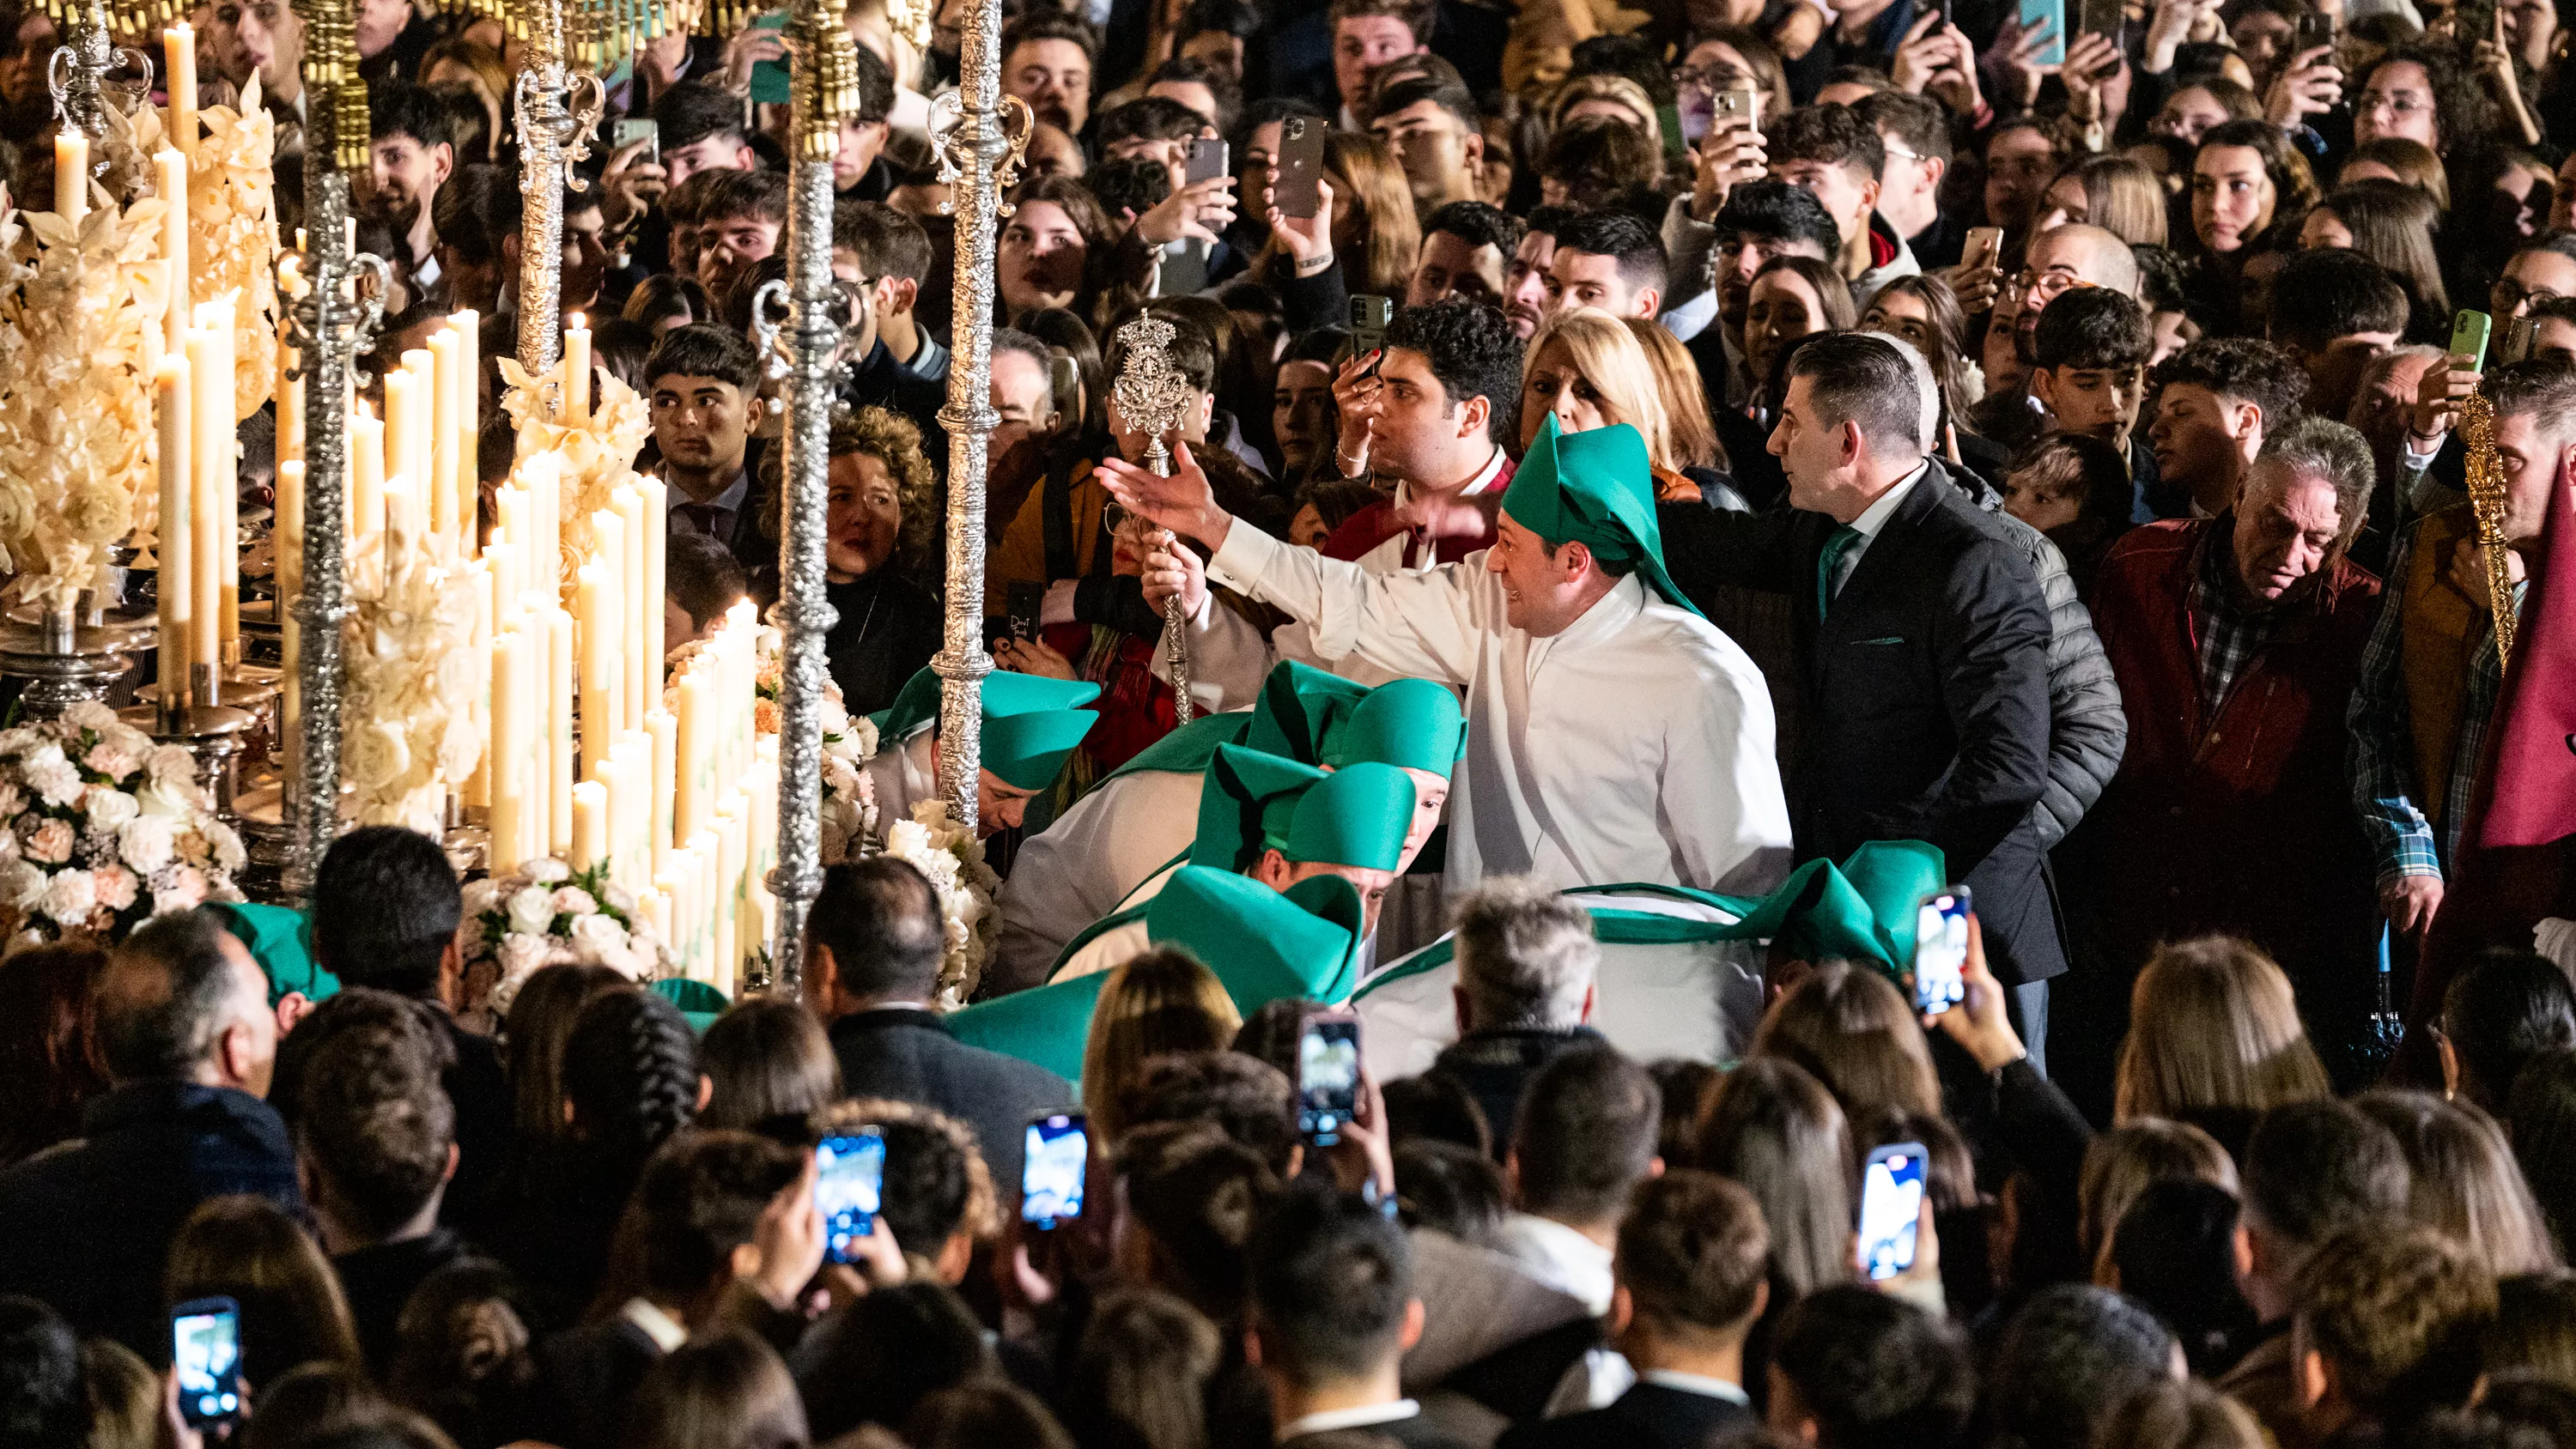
<point x="77" y="73"/>
<point x="978" y="158"/>
<point x="1152" y="396"/>
<point x="557" y="108"/>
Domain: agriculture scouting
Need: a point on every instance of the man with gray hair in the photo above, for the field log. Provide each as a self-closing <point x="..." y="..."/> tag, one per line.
<point x="2237" y="641"/>
<point x="1921" y="638"/>
<point x="1525" y="992"/>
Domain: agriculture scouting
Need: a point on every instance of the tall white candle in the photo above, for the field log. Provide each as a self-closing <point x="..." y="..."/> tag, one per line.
<point x="444" y="438"/>
<point x="664" y="730"/>
<point x="558" y="731"/>
<point x="469" y="413"/>
<point x="610" y="530"/>
<point x="657" y="539"/>
<point x="171" y="176"/>
<point x="170" y="392"/>
<point x="179" y="54"/>
<point x="693" y="788"/>
<point x="509" y="793"/>
<point x="211" y="418"/>
<point x="366" y="476"/>
<point x="589" y="825"/>
<point x="71" y="175"/>
<point x="642" y="672"/>
<point x="576" y="364"/>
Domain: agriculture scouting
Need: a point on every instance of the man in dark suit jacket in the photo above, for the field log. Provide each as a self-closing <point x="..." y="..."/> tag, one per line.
<point x="1921" y="638"/>
<point x="189" y="1042"/>
<point x="875" y="967"/>
<point x="1692" y="1278"/>
<point x="1332" y="1313"/>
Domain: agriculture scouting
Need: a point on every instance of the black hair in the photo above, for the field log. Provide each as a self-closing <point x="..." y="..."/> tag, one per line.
<point x="42" y="1402"/>
<point x="479" y="205"/>
<point x="2164" y="278"/>
<point x="1450" y="1187"/>
<point x="1874" y="1370"/>
<point x="1330" y="1281"/>
<point x="1630" y="57"/>
<point x="881" y="921"/>
<point x="701" y="575"/>
<point x="2101" y="328"/>
<point x="469" y="126"/>
<point x="1776" y="211"/>
<point x="874" y="1360"/>
<point x="1834" y="135"/>
<point x="1148" y="118"/>
<point x="1478" y="224"/>
<point x="1229" y="17"/>
<point x="922" y="1198"/>
<point x="2070" y="1356"/>
<point x="1921" y="122"/>
<point x="2240" y="367"/>
<point x="2507" y="1008"/>
<point x="1132" y="184"/>
<point x="1617" y="234"/>
<point x="630" y="1072"/>
<point x="385" y="908"/>
<point x="761" y="194"/>
<point x="871" y="86"/>
<point x="1436" y="1107"/>
<point x="1413" y="90"/>
<point x="1050" y="24"/>
<point x="1584" y="1133"/>
<point x="1250" y="1100"/>
<point x="370" y="1114"/>
<point x="1547" y="221"/>
<point x="1599" y="159"/>
<point x="399" y="108"/>
<point x="1222" y="88"/>
<point x="704" y="349"/>
<point x="700" y="1197"/>
<point x="2312" y="1168"/>
<point x="693" y="110"/>
<point x="2331" y="292"/>
<point x="1863" y="377"/>
<point x="2176" y="1251"/>
<point x="165" y="1032"/>
<point x="1474" y="353"/>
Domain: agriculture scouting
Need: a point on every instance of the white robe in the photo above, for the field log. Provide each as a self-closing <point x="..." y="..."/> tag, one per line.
<point x="902" y="773"/>
<point x="1634" y="746"/>
<point x="1086" y="863"/>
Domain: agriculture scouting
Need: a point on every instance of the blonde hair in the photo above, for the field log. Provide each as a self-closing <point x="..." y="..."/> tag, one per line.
<point x="1162" y="1001"/>
<point x="2463" y="1182"/>
<point x="1617" y="89"/>
<point x="1608" y="356"/>
<point x="2122" y="197"/>
<point x="247" y="1249"/>
<point x="2127" y="1160"/>
<point x="1695" y="441"/>
<point x="2213" y="1025"/>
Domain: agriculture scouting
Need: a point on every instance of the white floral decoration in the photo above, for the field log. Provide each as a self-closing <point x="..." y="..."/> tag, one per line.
<point x="413" y="690"/>
<point x="546" y="914"/>
<point x="952" y="859"/>
<point x="101" y="830"/>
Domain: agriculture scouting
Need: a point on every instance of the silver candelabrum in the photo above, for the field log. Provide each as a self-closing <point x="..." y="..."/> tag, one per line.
<point x="1152" y="397"/>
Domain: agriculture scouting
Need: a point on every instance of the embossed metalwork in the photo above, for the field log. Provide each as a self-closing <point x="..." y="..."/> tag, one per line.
<point x="1152" y="398"/>
<point x="2487" y="503"/>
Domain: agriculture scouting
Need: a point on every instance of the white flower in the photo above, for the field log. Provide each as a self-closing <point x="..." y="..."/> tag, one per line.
<point x="147" y="843"/>
<point x="70" y="897"/>
<point x="379" y="754"/>
<point x="523" y="952"/>
<point x="224" y="841"/>
<point x="117" y="886"/>
<point x="617" y="898"/>
<point x="51" y="843"/>
<point x="89" y="714"/>
<point x="162" y="801"/>
<point x="21" y="885"/>
<point x="574" y="901"/>
<point x="172" y="767"/>
<point x="546" y="871"/>
<point x="45" y="752"/>
<point x="19" y="740"/>
<point x="109" y="809"/>
<point x="594" y="937"/>
<point x="55" y="781"/>
<point x="532" y="911"/>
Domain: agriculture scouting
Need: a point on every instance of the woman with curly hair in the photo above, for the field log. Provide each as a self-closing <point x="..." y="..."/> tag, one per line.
<point x="879" y="554"/>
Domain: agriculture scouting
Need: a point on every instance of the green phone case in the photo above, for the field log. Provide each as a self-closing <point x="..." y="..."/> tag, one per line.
<point x="2469" y="333"/>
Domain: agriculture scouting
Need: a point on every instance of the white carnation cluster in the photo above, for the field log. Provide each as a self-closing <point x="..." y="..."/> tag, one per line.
<point x="950" y="856"/>
<point x="543" y="915"/>
<point x="415" y="690"/>
<point x="100" y="829"/>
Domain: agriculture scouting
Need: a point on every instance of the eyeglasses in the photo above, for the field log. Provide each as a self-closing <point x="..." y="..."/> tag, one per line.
<point x="2509" y="295"/>
<point x="2048" y="286"/>
<point x="1893" y="149"/>
<point x="2397" y="103"/>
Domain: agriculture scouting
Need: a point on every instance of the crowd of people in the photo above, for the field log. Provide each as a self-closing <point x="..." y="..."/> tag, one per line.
<point x="1682" y="449"/>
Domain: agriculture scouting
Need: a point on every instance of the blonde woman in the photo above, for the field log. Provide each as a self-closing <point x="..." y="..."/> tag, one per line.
<point x="1162" y="1001"/>
<point x="1587" y="370"/>
<point x="2214" y="1040"/>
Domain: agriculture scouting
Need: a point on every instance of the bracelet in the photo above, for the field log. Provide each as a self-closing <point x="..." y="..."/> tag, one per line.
<point x="1314" y="266"/>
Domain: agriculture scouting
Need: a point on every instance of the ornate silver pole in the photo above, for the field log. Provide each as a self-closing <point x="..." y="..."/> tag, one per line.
<point x="1152" y="395"/>
<point x="978" y="159"/>
<point x="77" y="73"/>
<point x="818" y="43"/>
<point x="557" y="108"/>
<point x="329" y="325"/>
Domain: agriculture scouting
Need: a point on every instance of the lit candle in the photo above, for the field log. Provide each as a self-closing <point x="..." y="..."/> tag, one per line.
<point x="576" y="363"/>
<point x="558" y="731"/>
<point x="663" y="728"/>
<point x="71" y="175"/>
<point x="419" y="451"/>
<point x="170" y="388"/>
<point x="366" y="475"/>
<point x="444" y="438"/>
<point x="179" y="52"/>
<point x="589" y="824"/>
<point x="211" y="418"/>
<point x="693" y="785"/>
<point x="172" y="174"/>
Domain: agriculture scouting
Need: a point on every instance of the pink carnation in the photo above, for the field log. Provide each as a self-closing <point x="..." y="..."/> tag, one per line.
<point x="117" y="886"/>
<point x="51" y="843"/>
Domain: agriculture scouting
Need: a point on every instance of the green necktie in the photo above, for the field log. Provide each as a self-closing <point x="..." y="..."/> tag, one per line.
<point x="1837" y="543"/>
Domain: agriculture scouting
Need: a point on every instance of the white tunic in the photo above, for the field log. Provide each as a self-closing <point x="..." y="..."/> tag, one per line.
<point x="1083" y="865"/>
<point x="1634" y="746"/>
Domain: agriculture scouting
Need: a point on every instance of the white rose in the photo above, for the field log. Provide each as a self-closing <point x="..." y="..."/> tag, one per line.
<point x="55" y="781"/>
<point x="599" y="940"/>
<point x="574" y="901"/>
<point x="21" y="885"/>
<point x="532" y="911"/>
<point x="109" y="809"/>
<point x="618" y="898"/>
<point x="89" y="714"/>
<point x="126" y="740"/>
<point x="523" y="953"/>
<point x="173" y="767"/>
<point x="546" y="871"/>
<point x="378" y="755"/>
<point x="159" y="801"/>
<point x="147" y="842"/>
<point x="46" y="752"/>
<point x="70" y="897"/>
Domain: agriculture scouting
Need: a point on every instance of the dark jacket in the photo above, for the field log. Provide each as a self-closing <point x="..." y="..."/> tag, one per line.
<point x="480" y="1090"/>
<point x="378" y="1280"/>
<point x="88" y="1225"/>
<point x="2170" y="850"/>
<point x="1648" y="1416"/>
<point x="1925" y="710"/>
<point x="887" y="630"/>
<point x="909" y="1056"/>
<point x="1416" y="1432"/>
<point x="586" y="1377"/>
<point x="2086" y="729"/>
<point x="1495" y="1065"/>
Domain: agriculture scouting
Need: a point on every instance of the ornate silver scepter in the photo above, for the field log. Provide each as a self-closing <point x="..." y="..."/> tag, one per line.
<point x="1152" y="396"/>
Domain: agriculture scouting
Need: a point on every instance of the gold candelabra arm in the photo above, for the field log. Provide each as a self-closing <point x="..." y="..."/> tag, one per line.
<point x="2487" y="504"/>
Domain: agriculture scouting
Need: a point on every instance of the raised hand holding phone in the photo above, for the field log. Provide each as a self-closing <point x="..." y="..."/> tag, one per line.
<point x="1981" y="1023"/>
<point x="1891" y="1204"/>
<point x="205" y="1365"/>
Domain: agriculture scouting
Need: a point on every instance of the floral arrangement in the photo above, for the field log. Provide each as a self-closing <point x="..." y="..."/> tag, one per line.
<point x="100" y="829"/>
<point x="849" y="742"/>
<point x="953" y="859"/>
<point x="232" y="237"/>
<point x="78" y="443"/>
<point x="415" y="682"/>
<point x="594" y="457"/>
<point x="548" y="914"/>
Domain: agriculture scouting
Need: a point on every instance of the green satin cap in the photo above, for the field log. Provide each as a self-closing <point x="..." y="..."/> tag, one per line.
<point x="1595" y="488"/>
<point x="1413" y="723"/>
<point x="1297" y="708"/>
<point x="1248" y="804"/>
<point x="1355" y="817"/>
<point x="1263" y="944"/>
<point x="1030" y="723"/>
<point x="1862" y="910"/>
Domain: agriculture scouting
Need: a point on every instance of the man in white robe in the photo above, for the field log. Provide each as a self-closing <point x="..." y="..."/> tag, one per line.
<point x="1614" y="735"/>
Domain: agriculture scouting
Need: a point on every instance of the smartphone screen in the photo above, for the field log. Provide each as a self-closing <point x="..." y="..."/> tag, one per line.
<point x="1301" y="165"/>
<point x="1025" y="600"/>
<point x="1209" y="160"/>
<point x="1328" y="1077"/>
<point x="1891" y="1203"/>
<point x="2313" y="30"/>
<point x="2515" y="345"/>
<point x="1941" y="950"/>
<point x="205" y="1354"/>
<point x="850" y="1171"/>
<point x="1051" y="1169"/>
<point x="2052" y="13"/>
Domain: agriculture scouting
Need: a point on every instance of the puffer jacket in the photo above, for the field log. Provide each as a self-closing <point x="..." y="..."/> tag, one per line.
<point x="2087" y="732"/>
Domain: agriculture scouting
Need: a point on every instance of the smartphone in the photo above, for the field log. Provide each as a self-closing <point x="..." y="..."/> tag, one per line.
<point x="1064" y="381"/>
<point x="1300" y="166"/>
<point x="1024" y="600"/>
<point x="2053" y="13"/>
<point x="771" y="84"/>
<point x="2469" y="333"/>
<point x="1209" y="160"/>
<point x="2473" y="21"/>
<point x="2102" y="17"/>
<point x="1737" y="99"/>
<point x="1941" y="950"/>
<point x="2313" y="30"/>
<point x="1051" y="1168"/>
<point x="1984" y="246"/>
<point x="205" y="1354"/>
<point x="1328" y="1076"/>
<point x="2515" y="346"/>
<point x="631" y="129"/>
<point x="1891" y="1207"/>
<point x="1369" y="316"/>
<point x="849" y="1179"/>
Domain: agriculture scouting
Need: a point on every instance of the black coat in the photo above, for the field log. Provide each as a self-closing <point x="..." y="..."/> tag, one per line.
<point x="909" y="1056"/>
<point x="88" y="1226"/>
<point x="1924" y="695"/>
<point x="586" y="1378"/>
<point x="887" y="630"/>
<point x="1648" y="1416"/>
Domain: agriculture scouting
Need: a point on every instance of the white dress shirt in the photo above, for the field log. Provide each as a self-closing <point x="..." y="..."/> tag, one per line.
<point x="1355" y="1418"/>
<point x="1873" y="521"/>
